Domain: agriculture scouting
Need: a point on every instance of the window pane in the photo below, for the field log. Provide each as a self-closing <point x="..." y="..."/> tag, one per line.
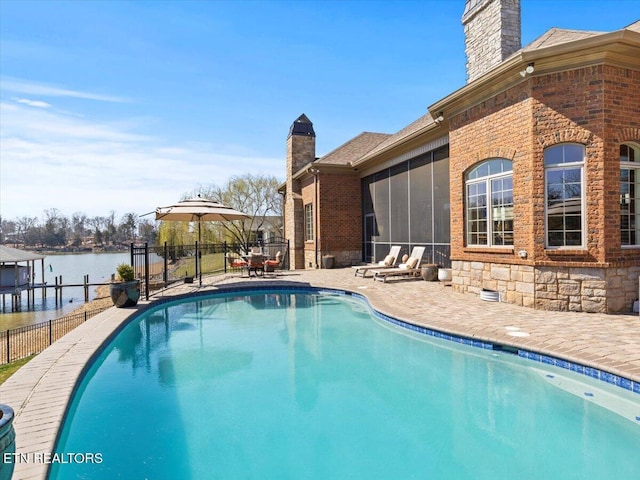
<point x="573" y="222"/>
<point x="564" y="153"/>
<point x="573" y="239"/>
<point x="555" y="222"/>
<point x="555" y="239"/>
<point x="564" y="206"/>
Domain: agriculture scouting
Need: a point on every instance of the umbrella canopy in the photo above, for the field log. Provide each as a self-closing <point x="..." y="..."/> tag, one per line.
<point x="198" y="210"/>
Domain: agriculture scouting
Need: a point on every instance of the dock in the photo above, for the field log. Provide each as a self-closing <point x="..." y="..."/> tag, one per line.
<point x="16" y="292"/>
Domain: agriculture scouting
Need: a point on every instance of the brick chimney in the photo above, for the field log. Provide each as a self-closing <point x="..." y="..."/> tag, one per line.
<point x="301" y="150"/>
<point x="492" y="33"/>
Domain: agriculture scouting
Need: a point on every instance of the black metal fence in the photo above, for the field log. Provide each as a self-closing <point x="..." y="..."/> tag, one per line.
<point x="19" y="343"/>
<point x="160" y="266"/>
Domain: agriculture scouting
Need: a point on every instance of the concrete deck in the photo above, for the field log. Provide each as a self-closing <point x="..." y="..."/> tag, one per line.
<point x="39" y="392"/>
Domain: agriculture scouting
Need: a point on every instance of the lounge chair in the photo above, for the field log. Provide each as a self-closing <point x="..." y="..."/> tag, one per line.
<point x="410" y="268"/>
<point x="389" y="261"/>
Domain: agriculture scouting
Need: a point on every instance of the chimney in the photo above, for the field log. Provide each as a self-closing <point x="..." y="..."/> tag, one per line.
<point x="492" y="33"/>
<point x="301" y="150"/>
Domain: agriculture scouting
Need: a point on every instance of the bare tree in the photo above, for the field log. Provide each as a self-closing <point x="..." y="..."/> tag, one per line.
<point x="255" y="195"/>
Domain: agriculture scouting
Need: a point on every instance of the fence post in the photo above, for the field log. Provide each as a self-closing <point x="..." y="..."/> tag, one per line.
<point x="50" y="332"/>
<point x="165" y="274"/>
<point x="85" y="315"/>
<point x="146" y="270"/>
<point x="224" y="248"/>
<point x="8" y="345"/>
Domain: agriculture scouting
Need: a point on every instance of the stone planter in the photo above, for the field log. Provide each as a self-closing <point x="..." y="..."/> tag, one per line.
<point x="328" y="261"/>
<point x="7" y="441"/>
<point x="430" y="272"/>
<point x="125" y="294"/>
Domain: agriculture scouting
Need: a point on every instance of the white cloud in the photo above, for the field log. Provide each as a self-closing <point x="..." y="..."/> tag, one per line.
<point x="50" y="160"/>
<point x="32" y="88"/>
<point x="33" y="103"/>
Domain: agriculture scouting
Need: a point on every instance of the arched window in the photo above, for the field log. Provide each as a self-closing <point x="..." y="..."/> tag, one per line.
<point x="489" y="201"/>
<point x="629" y="195"/>
<point x="563" y="171"/>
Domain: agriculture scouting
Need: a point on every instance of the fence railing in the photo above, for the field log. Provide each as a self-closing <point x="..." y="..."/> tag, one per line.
<point x="160" y="266"/>
<point x="22" y="342"/>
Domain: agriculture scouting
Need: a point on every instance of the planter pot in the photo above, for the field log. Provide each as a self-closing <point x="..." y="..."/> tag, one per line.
<point x="125" y="294"/>
<point x="328" y="261"/>
<point x="444" y="274"/>
<point x="430" y="273"/>
<point x="7" y="441"/>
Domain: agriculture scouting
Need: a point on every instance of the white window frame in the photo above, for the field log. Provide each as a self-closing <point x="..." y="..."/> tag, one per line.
<point x="487" y="180"/>
<point x="308" y="223"/>
<point x="632" y="166"/>
<point x="583" y="203"/>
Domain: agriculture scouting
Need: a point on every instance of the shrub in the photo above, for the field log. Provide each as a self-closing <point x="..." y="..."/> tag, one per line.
<point x="125" y="272"/>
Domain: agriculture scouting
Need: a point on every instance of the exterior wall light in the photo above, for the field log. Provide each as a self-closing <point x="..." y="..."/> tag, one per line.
<point x="527" y="71"/>
<point x="522" y="254"/>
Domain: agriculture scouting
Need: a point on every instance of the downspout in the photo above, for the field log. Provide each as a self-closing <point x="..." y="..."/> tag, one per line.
<point x="314" y="171"/>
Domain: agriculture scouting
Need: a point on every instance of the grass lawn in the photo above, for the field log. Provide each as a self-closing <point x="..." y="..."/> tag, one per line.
<point x="10" y="368"/>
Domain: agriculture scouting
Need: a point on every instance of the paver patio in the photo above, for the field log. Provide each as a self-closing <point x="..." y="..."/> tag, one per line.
<point x="39" y="391"/>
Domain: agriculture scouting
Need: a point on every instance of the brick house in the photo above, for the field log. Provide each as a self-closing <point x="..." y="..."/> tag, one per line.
<point x="525" y="181"/>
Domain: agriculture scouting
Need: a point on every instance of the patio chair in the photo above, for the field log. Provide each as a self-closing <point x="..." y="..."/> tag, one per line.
<point x="271" y="265"/>
<point x="255" y="263"/>
<point x="410" y="268"/>
<point x="389" y="261"/>
<point x="235" y="262"/>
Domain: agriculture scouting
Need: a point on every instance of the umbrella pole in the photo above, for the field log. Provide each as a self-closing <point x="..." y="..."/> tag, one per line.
<point x="198" y="255"/>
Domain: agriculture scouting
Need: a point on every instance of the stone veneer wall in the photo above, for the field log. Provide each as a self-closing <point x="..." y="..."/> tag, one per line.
<point x="492" y="33"/>
<point x="514" y="282"/>
<point x="575" y="289"/>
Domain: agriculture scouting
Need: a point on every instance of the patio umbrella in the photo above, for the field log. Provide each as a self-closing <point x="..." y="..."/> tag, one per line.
<point x="199" y="210"/>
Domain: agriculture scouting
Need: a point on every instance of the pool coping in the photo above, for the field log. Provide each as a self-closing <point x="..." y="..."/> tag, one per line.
<point x="41" y="390"/>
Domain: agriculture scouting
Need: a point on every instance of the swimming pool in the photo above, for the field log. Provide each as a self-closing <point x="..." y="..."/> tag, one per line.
<point x="311" y="384"/>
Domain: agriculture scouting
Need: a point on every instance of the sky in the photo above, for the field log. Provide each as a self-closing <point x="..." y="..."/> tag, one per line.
<point x="125" y="106"/>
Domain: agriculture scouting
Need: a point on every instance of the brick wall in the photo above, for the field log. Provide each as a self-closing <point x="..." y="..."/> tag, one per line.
<point x="596" y="106"/>
<point x="340" y="217"/>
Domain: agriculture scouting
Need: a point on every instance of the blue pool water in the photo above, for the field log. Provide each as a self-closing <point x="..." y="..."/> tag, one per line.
<point x="308" y="385"/>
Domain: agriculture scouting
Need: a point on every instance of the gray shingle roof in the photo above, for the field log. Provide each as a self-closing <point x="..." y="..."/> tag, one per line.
<point x="557" y="36"/>
<point x="404" y="133"/>
<point x="353" y="149"/>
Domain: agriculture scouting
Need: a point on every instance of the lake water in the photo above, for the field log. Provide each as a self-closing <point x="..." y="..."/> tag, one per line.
<point x="72" y="267"/>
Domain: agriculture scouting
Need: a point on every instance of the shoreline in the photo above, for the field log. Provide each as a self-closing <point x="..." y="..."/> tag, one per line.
<point x="102" y="300"/>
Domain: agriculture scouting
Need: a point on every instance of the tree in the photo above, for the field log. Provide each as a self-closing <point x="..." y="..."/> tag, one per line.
<point x="128" y="226"/>
<point x="147" y="231"/>
<point x="55" y="228"/>
<point x="255" y="195"/>
<point x="25" y="229"/>
<point x="79" y="221"/>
